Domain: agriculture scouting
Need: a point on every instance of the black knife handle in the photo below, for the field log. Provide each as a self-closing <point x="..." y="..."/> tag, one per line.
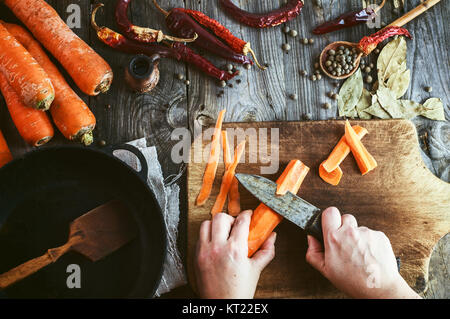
<point x="314" y="229"/>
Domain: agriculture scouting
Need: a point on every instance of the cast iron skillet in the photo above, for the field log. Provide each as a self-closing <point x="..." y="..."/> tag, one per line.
<point x="41" y="193"/>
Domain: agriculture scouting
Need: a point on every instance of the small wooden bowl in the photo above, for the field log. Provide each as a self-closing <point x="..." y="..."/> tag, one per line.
<point x="334" y="46"/>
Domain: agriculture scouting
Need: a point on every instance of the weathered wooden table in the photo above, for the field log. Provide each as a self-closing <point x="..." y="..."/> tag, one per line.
<point x="254" y="95"/>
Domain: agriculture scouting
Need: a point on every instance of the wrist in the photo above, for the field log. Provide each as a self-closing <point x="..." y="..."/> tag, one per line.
<point x="400" y="289"/>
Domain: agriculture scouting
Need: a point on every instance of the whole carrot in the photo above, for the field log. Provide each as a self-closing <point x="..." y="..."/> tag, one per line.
<point x="5" y="154"/>
<point x="33" y="125"/>
<point x="69" y="112"/>
<point x="88" y="69"/>
<point x="24" y="74"/>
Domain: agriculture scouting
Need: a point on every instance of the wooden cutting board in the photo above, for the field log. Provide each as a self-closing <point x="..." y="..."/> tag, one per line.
<point x="401" y="197"/>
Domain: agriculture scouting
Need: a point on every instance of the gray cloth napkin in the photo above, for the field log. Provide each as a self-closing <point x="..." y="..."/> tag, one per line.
<point x="168" y="198"/>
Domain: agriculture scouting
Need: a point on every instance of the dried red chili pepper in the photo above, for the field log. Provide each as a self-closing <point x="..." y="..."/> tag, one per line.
<point x="182" y="24"/>
<point x="189" y="56"/>
<point x="263" y="20"/>
<point x="368" y="43"/>
<point x="348" y="19"/>
<point x="141" y="34"/>
<point x="177" y="51"/>
<point x="117" y="41"/>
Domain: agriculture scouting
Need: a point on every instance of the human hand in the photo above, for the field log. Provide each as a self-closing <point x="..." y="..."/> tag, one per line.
<point x="357" y="260"/>
<point x="222" y="267"/>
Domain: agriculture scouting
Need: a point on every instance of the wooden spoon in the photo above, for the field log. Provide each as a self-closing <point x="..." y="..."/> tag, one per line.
<point x="421" y="8"/>
<point x="95" y="235"/>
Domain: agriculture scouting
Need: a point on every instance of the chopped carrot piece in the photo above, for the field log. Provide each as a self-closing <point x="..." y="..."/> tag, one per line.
<point x="228" y="179"/>
<point x="341" y="150"/>
<point x="5" y="153"/>
<point x="333" y="177"/>
<point x="211" y="166"/>
<point x="365" y="161"/>
<point x="264" y="220"/>
<point x="293" y="177"/>
<point x="234" y="198"/>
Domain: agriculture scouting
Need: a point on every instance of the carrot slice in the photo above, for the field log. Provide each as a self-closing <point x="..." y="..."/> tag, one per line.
<point x="234" y="198"/>
<point x="293" y="177"/>
<point x="227" y="180"/>
<point x="333" y="177"/>
<point x="213" y="161"/>
<point x="264" y="220"/>
<point x="341" y="150"/>
<point x="5" y="154"/>
<point x="365" y="161"/>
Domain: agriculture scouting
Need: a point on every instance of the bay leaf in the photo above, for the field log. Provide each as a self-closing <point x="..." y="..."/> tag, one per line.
<point x="389" y="103"/>
<point x="398" y="83"/>
<point x="349" y="94"/>
<point x="376" y="110"/>
<point x="392" y="59"/>
<point x="410" y="109"/>
<point x="364" y="102"/>
<point x="433" y="108"/>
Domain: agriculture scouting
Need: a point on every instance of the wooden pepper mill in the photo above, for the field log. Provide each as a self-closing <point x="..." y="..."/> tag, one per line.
<point x="142" y="73"/>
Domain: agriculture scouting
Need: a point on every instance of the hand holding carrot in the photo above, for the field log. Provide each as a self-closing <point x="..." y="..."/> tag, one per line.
<point x="222" y="267"/>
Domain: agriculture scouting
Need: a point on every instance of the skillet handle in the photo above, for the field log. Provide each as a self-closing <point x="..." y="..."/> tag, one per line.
<point x="143" y="173"/>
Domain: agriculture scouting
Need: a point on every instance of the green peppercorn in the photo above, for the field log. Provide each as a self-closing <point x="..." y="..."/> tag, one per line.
<point x="102" y="143"/>
<point x="316" y="72"/>
<point x="368" y="79"/>
<point x="229" y="67"/>
<point x="305" y="41"/>
<point x="179" y="76"/>
<point x="247" y="66"/>
<point x="367" y="69"/>
<point x="328" y="63"/>
<point x="303" y="73"/>
<point x="377" y="51"/>
<point x="341" y="47"/>
<point x="330" y="94"/>
<point x="316" y="65"/>
<point x="318" y="76"/>
<point x="286" y="29"/>
<point x="307" y="116"/>
<point x="371" y="65"/>
<point x="293" y="96"/>
<point x="428" y="89"/>
<point x="187" y="82"/>
<point x="327" y="106"/>
<point x="334" y="96"/>
<point x="311" y="41"/>
<point x="331" y="52"/>
<point x="223" y="83"/>
<point x="293" y="33"/>
<point x="313" y="78"/>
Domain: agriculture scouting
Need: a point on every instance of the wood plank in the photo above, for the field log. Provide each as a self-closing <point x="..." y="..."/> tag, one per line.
<point x="385" y="199"/>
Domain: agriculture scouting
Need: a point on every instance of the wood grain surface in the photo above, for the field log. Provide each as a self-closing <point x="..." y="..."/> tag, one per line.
<point x="260" y="95"/>
<point x="401" y="198"/>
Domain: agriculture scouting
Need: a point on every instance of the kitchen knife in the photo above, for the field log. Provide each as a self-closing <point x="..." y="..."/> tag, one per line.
<point x="290" y="206"/>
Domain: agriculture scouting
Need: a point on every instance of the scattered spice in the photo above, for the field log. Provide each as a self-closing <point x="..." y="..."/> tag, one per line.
<point x="303" y="73"/>
<point x="327" y="106"/>
<point x="293" y="96"/>
<point x="247" y="66"/>
<point x="187" y="82"/>
<point x="223" y="83"/>
<point x="180" y="76"/>
<point x="311" y="41"/>
<point x="285" y="29"/>
<point x="230" y="67"/>
<point x="428" y="89"/>
<point x="102" y="143"/>
<point x="286" y="46"/>
<point x="367" y="69"/>
<point x="293" y="33"/>
<point x="263" y="20"/>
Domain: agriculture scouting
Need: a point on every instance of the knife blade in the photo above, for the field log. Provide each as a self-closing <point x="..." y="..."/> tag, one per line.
<point x="290" y="206"/>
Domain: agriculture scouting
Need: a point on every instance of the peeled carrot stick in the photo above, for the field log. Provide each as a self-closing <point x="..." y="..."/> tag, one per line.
<point x="264" y="220"/>
<point x="293" y="177"/>
<point x="213" y="161"/>
<point x="341" y="150"/>
<point x="234" y="198"/>
<point x="333" y="177"/>
<point x="365" y="161"/>
<point x="227" y="180"/>
<point x="88" y="69"/>
<point x="33" y="125"/>
<point x="5" y="154"/>
<point x="69" y="112"/>
<point x="24" y="74"/>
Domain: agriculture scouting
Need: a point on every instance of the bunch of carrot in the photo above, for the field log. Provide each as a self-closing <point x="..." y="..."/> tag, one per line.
<point x="31" y="83"/>
<point x="329" y="169"/>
